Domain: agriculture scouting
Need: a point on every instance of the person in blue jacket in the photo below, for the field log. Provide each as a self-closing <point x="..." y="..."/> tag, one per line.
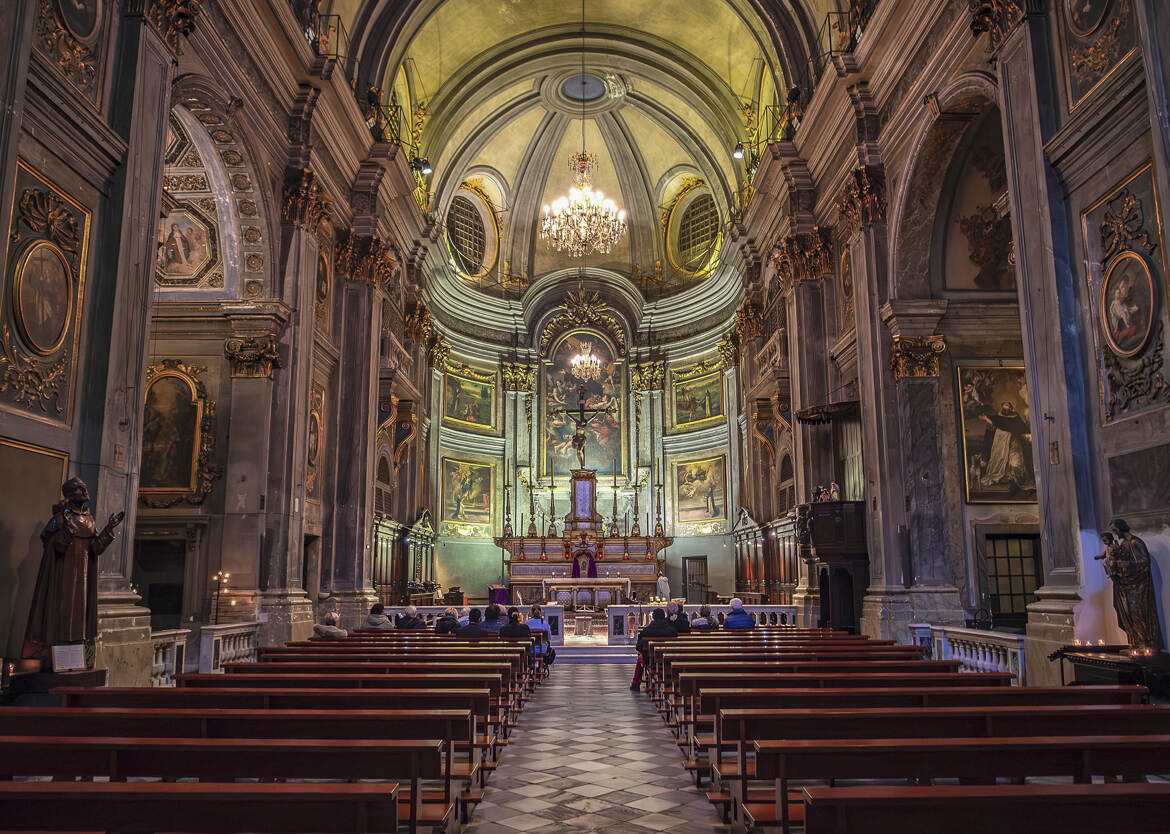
<point x="738" y="619"/>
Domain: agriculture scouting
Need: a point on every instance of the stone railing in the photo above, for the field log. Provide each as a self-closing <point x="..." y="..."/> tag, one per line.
<point x="975" y="649"/>
<point x="226" y="643"/>
<point x="170" y="652"/>
<point x="553" y="614"/>
<point x="625" y="621"/>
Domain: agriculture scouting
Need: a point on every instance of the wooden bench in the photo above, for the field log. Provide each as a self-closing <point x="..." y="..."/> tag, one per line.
<point x="1004" y="809"/>
<point x="203" y="808"/>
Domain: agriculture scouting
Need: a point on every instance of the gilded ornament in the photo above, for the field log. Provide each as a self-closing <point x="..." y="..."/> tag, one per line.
<point x="46" y="214"/>
<point x="77" y="60"/>
<point x="999" y="18"/>
<point x="205" y="471"/>
<point x="185" y="182"/>
<point x="253" y="262"/>
<point x="304" y="202"/>
<point x="33" y="383"/>
<point x="368" y="259"/>
<point x="232" y="158"/>
<point x="519" y="376"/>
<point x="583" y="308"/>
<point x="916" y="356"/>
<point x="253" y="356"/>
<point x="419" y="325"/>
<point x="749" y="321"/>
<point x="728" y="348"/>
<point x="1134" y="383"/>
<point x="1095" y="60"/>
<point x="248" y="208"/>
<point x="174" y="19"/>
<point x="648" y="376"/>
<point x="862" y="202"/>
<point x="252" y="234"/>
<point x="439" y="351"/>
<point x="1126" y="226"/>
<point x="803" y="257"/>
<point x="241" y="182"/>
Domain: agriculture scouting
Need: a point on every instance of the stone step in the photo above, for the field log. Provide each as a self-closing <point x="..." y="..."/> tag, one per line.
<point x="595" y="654"/>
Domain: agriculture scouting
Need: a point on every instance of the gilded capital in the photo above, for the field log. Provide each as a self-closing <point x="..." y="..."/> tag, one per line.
<point x="862" y="202"/>
<point x="916" y="356"/>
<point x="648" y="376"/>
<point x="303" y="202"/>
<point x="518" y="376"/>
<point x="253" y="356"/>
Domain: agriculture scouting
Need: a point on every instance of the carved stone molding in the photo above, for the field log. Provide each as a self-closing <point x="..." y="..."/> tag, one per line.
<point x="728" y="348"/>
<point x="253" y="356"/>
<point x="749" y="321"/>
<point x="368" y="259"/>
<point x="588" y="309"/>
<point x="648" y="376"/>
<point x="803" y="257"/>
<point x="998" y="18"/>
<point x="862" y="202"/>
<point x="419" y="325"/>
<point x="916" y="356"/>
<point x="519" y="376"/>
<point x="304" y="204"/>
<point x="439" y="351"/>
<point x="174" y="19"/>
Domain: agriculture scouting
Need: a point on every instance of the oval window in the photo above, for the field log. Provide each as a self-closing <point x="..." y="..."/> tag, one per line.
<point x="698" y="233"/>
<point x="466" y="236"/>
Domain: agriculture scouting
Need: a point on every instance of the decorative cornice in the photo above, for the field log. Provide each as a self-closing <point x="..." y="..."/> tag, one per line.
<point x="368" y="259"/>
<point x="304" y="203"/>
<point x="253" y="356"/>
<point x="916" y="356"/>
<point x="519" y="376"/>
<point x="862" y="202"/>
<point x="466" y="371"/>
<point x="803" y="257"/>
<point x="582" y="308"/>
<point x="749" y="321"/>
<point x="648" y="376"/>
<point x="998" y="18"/>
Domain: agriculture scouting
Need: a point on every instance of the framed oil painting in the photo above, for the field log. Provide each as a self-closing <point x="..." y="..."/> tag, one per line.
<point x="469" y="399"/>
<point x="314" y="441"/>
<point x="187" y="247"/>
<point x="467" y="498"/>
<point x="996" y="435"/>
<point x="700" y="491"/>
<point x="81" y="18"/>
<point x="1128" y="305"/>
<point x="43" y="298"/>
<point x="1086" y="16"/>
<point x="604" y="434"/>
<point x="170" y="434"/>
<point x="845" y="304"/>
<point x="321" y="291"/>
<point x="696" y="396"/>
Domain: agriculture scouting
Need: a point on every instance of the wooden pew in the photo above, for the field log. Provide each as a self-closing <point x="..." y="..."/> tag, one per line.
<point x="203" y="808"/>
<point x="219" y="759"/>
<point x="1079" y="757"/>
<point x="1004" y="809"/>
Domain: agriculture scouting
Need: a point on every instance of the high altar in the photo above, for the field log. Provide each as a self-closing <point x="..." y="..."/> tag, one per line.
<point x="585" y="564"/>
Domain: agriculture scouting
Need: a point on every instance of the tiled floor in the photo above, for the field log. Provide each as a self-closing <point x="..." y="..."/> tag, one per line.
<point x="590" y="755"/>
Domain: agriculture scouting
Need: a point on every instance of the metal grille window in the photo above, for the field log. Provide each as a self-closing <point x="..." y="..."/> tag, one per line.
<point x="697" y="231"/>
<point x="466" y="236"/>
<point x="1013" y="571"/>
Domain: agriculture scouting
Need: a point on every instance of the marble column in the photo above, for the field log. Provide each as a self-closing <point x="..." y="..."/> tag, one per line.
<point x="808" y="372"/>
<point x="357" y="412"/>
<point x="139" y="113"/>
<point x="934" y="597"/>
<point x="1054" y="356"/>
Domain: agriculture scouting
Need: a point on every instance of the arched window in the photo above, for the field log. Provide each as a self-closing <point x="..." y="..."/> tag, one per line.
<point x="466" y="235"/>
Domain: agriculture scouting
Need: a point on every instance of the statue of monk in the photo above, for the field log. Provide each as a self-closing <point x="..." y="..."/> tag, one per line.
<point x="1127" y="562"/>
<point x="64" y="607"/>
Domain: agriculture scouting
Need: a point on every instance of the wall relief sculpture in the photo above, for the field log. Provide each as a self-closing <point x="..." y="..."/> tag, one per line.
<point x="70" y="33"/>
<point x="178" y="436"/>
<point x="43" y="298"/>
<point x="1099" y="36"/>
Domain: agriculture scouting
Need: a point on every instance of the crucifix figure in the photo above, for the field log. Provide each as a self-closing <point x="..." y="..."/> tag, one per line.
<point x="582" y="417"/>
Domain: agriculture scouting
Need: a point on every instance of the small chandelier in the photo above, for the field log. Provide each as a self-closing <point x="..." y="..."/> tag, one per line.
<point x="586" y="220"/>
<point x="585" y="365"/>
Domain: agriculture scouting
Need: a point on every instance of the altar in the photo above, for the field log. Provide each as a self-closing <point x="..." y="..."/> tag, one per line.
<point x="597" y="593"/>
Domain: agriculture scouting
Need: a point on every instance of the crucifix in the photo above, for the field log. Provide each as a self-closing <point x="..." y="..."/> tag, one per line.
<point x="582" y="417"/>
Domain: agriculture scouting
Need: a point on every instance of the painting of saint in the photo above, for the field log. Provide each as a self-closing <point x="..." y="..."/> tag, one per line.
<point x="699" y="493"/>
<point x="322" y="278"/>
<point x="467" y="492"/>
<point x="603" y="434"/>
<point x="183" y="246"/>
<point x="698" y="400"/>
<point x="170" y="429"/>
<point x="44" y="298"/>
<point x="468" y="401"/>
<point x="845" y="307"/>
<point x="1127" y="304"/>
<point x="1086" y="15"/>
<point x="996" y="435"/>
<point x="81" y="17"/>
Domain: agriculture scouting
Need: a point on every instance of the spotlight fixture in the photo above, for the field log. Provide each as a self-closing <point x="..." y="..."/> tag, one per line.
<point x="737" y="151"/>
<point x="422" y="165"/>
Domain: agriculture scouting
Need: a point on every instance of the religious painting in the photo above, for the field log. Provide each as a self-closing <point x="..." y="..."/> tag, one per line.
<point x="43" y="298"/>
<point x="696" y="396"/>
<point x="1128" y="304"/>
<point x="187" y="247"/>
<point x="321" y="293"/>
<point x="996" y="435"/>
<point x="81" y="18"/>
<point x="600" y="391"/>
<point x="845" y="318"/>
<point x="170" y="430"/>
<point x="1085" y="16"/>
<point x="1101" y="34"/>
<point x="467" y="497"/>
<point x="469" y="398"/>
<point x="314" y="441"/>
<point x="700" y="493"/>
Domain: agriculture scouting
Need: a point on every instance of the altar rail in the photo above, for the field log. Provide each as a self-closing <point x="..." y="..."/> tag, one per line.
<point x="170" y="651"/>
<point x="553" y="614"/>
<point x="625" y="621"/>
<point x="975" y="649"/>
<point x="226" y="643"/>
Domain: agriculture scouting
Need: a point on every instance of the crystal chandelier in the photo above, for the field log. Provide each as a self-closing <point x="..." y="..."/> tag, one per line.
<point x="585" y="365"/>
<point x="584" y="221"/>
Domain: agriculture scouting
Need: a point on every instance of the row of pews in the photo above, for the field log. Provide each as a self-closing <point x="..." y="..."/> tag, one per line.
<point x="390" y="729"/>
<point x="840" y="734"/>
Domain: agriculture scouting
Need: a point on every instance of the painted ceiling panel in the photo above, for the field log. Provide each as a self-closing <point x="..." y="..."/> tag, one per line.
<point x="507" y="149"/>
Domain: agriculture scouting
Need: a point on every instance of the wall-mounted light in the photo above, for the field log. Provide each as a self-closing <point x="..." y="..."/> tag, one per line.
<point x="737" y="151"/>
<point x="422" y="165"/>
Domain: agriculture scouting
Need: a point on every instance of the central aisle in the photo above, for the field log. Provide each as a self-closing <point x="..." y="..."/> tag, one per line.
<point x="590" y="755"/>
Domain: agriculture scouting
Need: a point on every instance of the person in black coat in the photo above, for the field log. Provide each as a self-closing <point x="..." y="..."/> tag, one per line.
<point x="678" y="618"/>
<point x="448" y="623"/>
<point x="473" y="627"/>
<point x="514" y="628"/>
<point x="659" y="627"/>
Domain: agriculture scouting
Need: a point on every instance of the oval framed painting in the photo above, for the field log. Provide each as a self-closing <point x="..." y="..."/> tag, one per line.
<point x="1086" y="16"/>
<point x="314" y="445"/>
<point x="1128" y="306"/>
<point x="81" y="17"/>
<point x="42" y="300"/>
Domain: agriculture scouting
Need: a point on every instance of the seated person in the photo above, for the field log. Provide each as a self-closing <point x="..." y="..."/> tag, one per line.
<point x="463" y="616"/>
<point x="491" y="618"/>
<point x="704" y="622"/>
<point x="377" y="618"/>
<point x="448" y="623"/>
<point x="473" y="627"/>
<point x="409" y="618"/>
<point x="678" y="618"/>
<point x="514" y="628"/>
<point x="659" y="627"/>
<point x="327" y="629"/>
<point x="537" y="622"/>
<point x="737" y="619"/>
